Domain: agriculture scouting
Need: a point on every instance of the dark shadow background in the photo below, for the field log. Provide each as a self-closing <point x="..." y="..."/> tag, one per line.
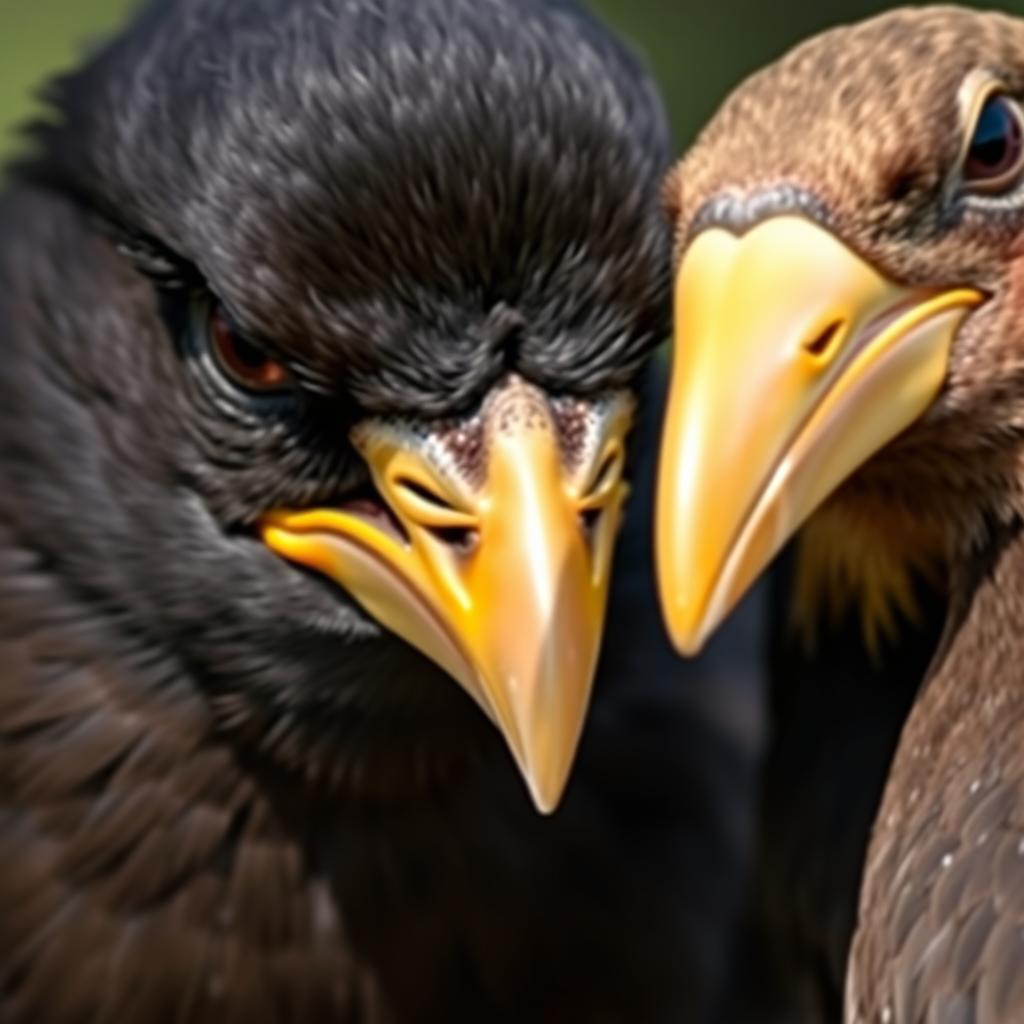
<point x="698" y="50"/>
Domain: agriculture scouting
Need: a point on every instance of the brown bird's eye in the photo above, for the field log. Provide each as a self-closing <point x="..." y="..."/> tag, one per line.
<point x="995" y="155"/>
<point x="244" y="363"/>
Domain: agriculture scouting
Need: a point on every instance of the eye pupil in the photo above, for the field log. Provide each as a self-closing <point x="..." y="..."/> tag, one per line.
<point x="249" y="355"/>
<point x="993" y="137"/>
<point x="995" y="157"/>
<point x="243" y="362"/>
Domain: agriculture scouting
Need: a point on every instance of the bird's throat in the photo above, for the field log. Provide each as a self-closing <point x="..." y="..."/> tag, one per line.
<point x="858" y="556"/>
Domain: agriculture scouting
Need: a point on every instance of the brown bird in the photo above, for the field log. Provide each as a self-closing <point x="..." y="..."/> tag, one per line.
<point x="323" y="323"/>
<point x="850" y="339"/>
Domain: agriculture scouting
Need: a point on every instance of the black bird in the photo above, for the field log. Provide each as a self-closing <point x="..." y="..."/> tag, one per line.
<point x="323" y="321"/>
<point x="851" y="227"/>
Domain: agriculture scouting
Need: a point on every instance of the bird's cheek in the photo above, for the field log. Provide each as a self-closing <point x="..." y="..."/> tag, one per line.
<point x="795" y="360"/>
<point x="491" y="553"/>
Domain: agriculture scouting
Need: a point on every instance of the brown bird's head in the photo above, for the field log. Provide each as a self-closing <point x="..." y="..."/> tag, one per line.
<point x="849" y="278"/>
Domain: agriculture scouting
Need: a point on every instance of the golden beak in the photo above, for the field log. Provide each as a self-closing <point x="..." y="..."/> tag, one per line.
<point x="492" y="556"/>
<point x="795" y="361"/>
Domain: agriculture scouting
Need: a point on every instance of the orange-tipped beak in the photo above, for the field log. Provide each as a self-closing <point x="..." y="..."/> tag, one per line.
<point x="795" y="361"/>
<point x="494" y="559"/>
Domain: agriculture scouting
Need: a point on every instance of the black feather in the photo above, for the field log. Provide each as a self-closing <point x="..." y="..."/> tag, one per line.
<point x="225" y="792"/>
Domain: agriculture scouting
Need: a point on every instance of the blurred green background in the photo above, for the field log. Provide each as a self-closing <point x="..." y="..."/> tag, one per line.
<point x="698" y="50"/>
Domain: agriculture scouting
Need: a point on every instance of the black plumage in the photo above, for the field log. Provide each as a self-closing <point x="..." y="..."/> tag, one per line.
<point x="226" y="792"/>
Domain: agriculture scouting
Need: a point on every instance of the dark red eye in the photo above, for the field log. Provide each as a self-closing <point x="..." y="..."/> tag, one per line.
<point x="995" y="156"/>
<point x="243" y="362"/>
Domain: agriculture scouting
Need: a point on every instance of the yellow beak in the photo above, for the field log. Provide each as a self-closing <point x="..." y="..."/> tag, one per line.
<point x="795" y="361"/>
<point x="492" y="556"/>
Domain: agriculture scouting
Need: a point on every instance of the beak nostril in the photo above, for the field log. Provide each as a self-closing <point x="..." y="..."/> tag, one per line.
<point x="822" y="343"/>
<point x="589" y="518"/>
<point x="422" y="504"/>
<point x="604" y="474"/>
<point x="461" y="539"/>
<point x="608" y="472"/>
<point x="424" y="493"/>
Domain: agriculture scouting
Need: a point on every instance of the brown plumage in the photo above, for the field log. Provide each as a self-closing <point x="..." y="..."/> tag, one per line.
<point x="866" y="135"/>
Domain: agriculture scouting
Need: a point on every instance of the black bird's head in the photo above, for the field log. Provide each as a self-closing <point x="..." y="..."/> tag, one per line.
<point x="337" y="334"/>
<point x="850" y="315"/>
